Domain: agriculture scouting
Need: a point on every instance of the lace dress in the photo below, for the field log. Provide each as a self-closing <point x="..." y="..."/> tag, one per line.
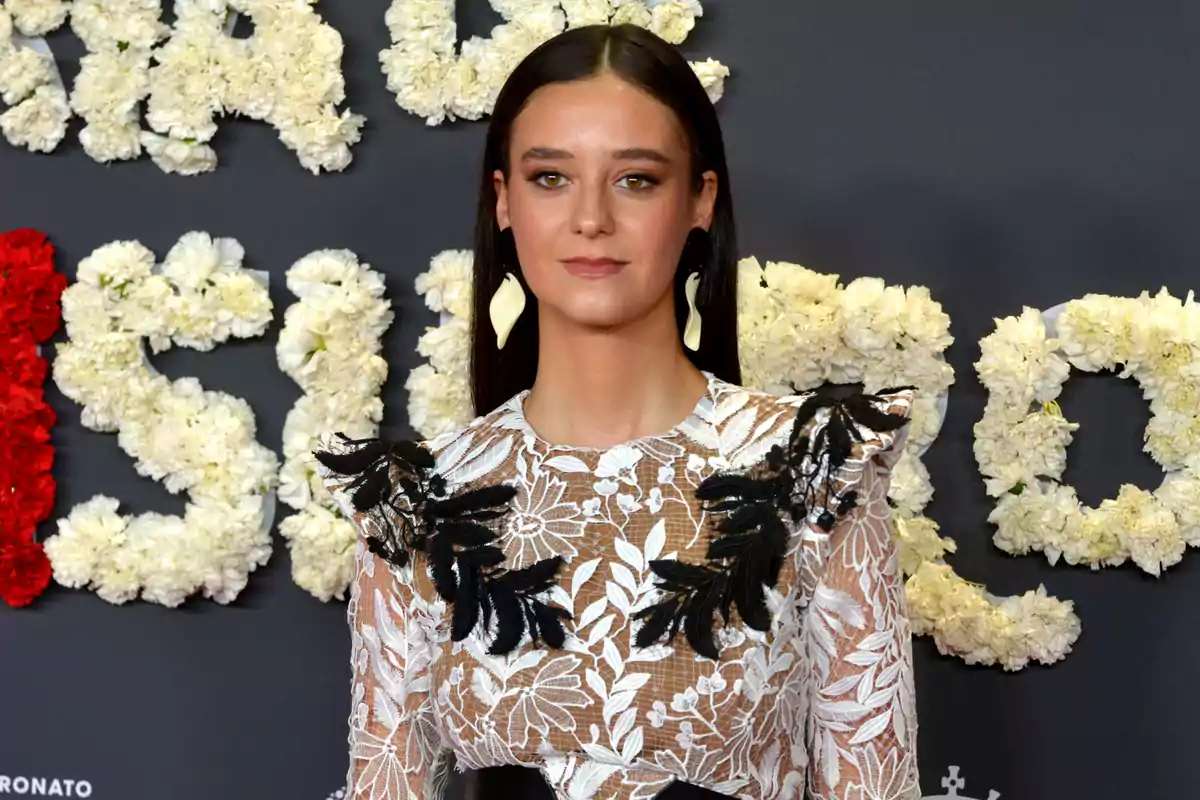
<point x="719" y="605"/>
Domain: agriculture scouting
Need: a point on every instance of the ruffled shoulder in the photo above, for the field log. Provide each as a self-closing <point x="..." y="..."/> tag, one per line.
<point x="405" y="511"/>
<point x="839" y="435"/>
<point x="380" y="485"/>
<point x="810" y="478"/>
<point x="352" y="471"/>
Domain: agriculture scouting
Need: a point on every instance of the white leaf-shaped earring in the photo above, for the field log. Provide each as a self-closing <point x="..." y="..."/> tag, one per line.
<point x="691" y="330"/>
<point x="505" y="309"/>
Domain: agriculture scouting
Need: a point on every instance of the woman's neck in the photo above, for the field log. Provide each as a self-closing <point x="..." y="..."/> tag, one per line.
<point x="603" y="388"/>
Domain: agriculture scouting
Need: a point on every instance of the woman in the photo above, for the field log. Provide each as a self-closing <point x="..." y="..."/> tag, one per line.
<point x="628" y="573"/>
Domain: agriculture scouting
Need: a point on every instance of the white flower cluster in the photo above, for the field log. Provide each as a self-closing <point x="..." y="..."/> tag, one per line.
<point x="37" y="17"/>
<point x="1021" y="442"/>
<point x="190" y="439"/>
<point x="330" y="345"/>
<point x="29" y="79"/>
<point x="966" y="621"/>
<point x="435" y="79"/>
<point x="114" y="76"/>
<point x="801" y="328"/>
<point x="439" y="392"/>
<point x="288" y="74"/>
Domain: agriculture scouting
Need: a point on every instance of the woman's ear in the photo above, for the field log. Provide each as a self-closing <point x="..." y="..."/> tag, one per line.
<point x="706" y="200"/>
<point x="501" y="185"/>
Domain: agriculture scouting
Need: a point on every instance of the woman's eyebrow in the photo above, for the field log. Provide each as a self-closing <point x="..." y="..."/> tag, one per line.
<point x="624" y="154"/>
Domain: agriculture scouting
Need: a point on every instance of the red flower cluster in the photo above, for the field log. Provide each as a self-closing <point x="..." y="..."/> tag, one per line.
<point x="29" y="313"/>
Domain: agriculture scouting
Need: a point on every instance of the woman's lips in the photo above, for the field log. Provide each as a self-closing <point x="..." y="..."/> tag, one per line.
<point x="593" y="267"/>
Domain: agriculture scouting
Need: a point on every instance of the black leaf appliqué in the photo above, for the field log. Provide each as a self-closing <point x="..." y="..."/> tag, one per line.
<point x="752" y="533"/>
<point x="455" y="533"/>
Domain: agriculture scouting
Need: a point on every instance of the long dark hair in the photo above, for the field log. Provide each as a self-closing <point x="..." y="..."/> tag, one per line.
<point x="646" y="61"/>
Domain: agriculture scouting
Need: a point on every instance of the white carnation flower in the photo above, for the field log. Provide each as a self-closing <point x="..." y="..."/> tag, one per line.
<point x="115" y="265"/>
<point x="447" y="347"/>
<point x="673" y="20"/>
<point x="1180" y="493"/>
<point x="712" y="75"/>
<point x="587" y="12"/>
<point x="322" y="545"/>
<point x="230" y="541"/>
<point x="631" y="12"/>
<point x="1020" y="362"/>
<point x="1146" y="528"/>
<point x="919" y="542"/>
<point x="910" y="488"/>
<point x="925" y="323"/>
<point x="35" y="17"/>
<point x="196" y="258"/>
<point x="117" y="24"/>
<point x="446" y="286"/>
<point x="1097" y="332"/>
<point x="437" y="403"/>
<point x="85" y="538"/>
<point x="182" y="158"/>
<point x="22" y="71"/>
<point x="39" y="122"/>
<point x="1020" y="453"/>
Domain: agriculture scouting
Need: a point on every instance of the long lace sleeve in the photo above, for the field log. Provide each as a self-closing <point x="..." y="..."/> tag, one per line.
<point x="395" y="749"/>
<point x="394" y="743"/>
<point x="862" y="724"/>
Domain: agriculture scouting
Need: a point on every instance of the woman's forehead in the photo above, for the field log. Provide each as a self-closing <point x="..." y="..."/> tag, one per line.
<point x="604" y="113"/>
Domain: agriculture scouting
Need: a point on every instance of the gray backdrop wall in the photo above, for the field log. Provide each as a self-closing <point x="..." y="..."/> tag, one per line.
<point x="1001" y="153"/>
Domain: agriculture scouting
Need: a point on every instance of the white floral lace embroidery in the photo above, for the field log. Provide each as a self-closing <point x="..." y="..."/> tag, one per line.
<point x="823" y="703"/>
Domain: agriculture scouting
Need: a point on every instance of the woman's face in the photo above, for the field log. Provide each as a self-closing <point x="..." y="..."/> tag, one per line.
<point x="600" y="199"/>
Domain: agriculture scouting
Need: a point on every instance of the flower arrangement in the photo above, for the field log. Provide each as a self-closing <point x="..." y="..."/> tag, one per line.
<point x="432" y="80"/>
<point x="286" y="74"/>
<point x="29" y="313"/>
<point x="330" y="345"/>
<point x="1021" y="441"/>
<point x="29" y="79"/>
<point x="193" y="440"/>
<point x="800" y="328"/>
<point x="114" y="76"/>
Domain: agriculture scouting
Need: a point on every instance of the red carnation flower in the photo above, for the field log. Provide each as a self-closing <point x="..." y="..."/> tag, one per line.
<point x="30" y="501"/>
<point x="30" y="449"/>
<point x="22" y="407"/>
<point x="29" y="244"/>
<point x="30" y="289"/>
<point x="30" y="292"/>
<point x="24" y="569"/>
<point x="20" y="519"/>
<point x="20" y="362"/>
<point x="10" y="522"/>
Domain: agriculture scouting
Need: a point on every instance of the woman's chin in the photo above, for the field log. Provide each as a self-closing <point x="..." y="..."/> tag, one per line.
<point x="596" y="314"/>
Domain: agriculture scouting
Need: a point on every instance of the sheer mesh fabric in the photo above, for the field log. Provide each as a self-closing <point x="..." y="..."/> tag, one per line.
<point x="820" y="706"/>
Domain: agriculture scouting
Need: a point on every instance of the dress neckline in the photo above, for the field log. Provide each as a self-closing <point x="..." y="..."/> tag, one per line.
<point x="699" y="415"/>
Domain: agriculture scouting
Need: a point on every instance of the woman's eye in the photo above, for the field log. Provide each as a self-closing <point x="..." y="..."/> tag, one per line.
<point x="549" y="180"/>
<point x="638" y="183"/>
